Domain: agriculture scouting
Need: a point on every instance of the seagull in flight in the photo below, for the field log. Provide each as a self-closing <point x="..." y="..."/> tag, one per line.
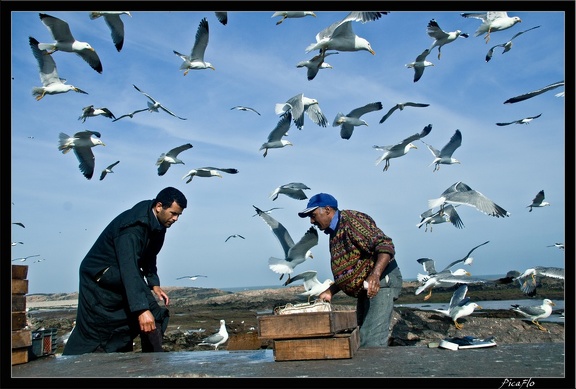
<point x="154" y="105"/>
<point x="19" y="224"/>
<point x="192" y="278"/>
<point x="534" y="313"/>
<point x="448" y="214"/>
<point x="401" y="106"/>
<point x="460" y="306"/>
<point x="444" y="156"/>
<point x="247" y="109"/>
<point x="51" y="83"/>
<point x="130" y="115"/>
<point x="506" y="46"/>
<point x="64" y="41"/>
<point x="298" y="106"/>
<point x="82" y="143"/>
<point x="195" y="60"/>
<point x="526" y="120"/>
<point x="208" y="171"/>
<point x="170" y="158"/>
<point x="90" y="111"/>
<point x="17" y="243"/>
<point x="234" y="236"/>
<point x="268" y="211"/>
<point x="293" y="190"/>
<point x="348" y="122"/>
<point x="538" y="201"/>
<point x="218" y="338"/>
<point x="292" y="15"/>
<point x="558" y="245"/>
<point x="222" y="17"/>
<point x="530" y="278"/>
<point x="22" y="259"/>
<point x="294" y="253"/>
<point x="419" y="64"/>
<point x="534" y="93"/>
<point x="460" y="193"/>
<point x="492" y="21"/>
<point x="400" y="149"/>
<point x="442" y="37"/>
<point x="108" y="169"/>
<point x="114" y="23"/>
<point x="315" y="64"/>
<point x="275" y="140"/>
<point x="312" y="286"/>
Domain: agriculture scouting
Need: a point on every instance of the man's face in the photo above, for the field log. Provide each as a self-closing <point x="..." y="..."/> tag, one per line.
<point x="321" y="217"/>
<point x="168" y="216"/>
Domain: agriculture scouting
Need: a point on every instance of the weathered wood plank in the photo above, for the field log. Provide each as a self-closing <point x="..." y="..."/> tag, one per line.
<point x="340" y="346"/>
<point x="305" y="325"/>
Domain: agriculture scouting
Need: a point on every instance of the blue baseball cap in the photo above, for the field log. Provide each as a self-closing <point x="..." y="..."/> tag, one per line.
<point x="319" y="200"/>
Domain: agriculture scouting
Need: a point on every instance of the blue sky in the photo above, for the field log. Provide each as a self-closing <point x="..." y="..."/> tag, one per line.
<point x="255" y="62"/>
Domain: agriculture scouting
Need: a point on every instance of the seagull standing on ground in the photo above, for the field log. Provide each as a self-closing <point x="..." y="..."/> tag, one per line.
<point x="444" y="156"/>
<point x="507" y="46"/>
<point x="492" y="21"/>
<point x="442" y="37"/>
<point x="538" y="201"/>
<point x="64" y="41"/>
<point x="208" y="171"/>
<point x="82" y="143"/>
<point x="154" y="105"/>
<point x="218" y="338"/>
<point x="526" y="120"/>
<point x="51" y="83"/>
<point x="460" y="193"/>
<point x="460" y="306"/>
<point x="294" y="253"/>
<point x="535" y="313"/>
<point x="400" y="149"/>
<point x="195" y="60"/>
<point x="90" y="111"/>
<point x="293" y="190"/>
<point x="448" y="214"/>
<point x="292" y="15"/>
<point x="300" y="104"/>
<point x="108" y="170"/>
<point x="401" y="107"/>
<point x="114" y="23"/>
<point x="312" y="286"/>
<point x="419" y="64"/>
<point x="275" y="140"/>
<point x="534" y="93"/>
<point x="348" y="122"/>
<point x="171" y="158"/>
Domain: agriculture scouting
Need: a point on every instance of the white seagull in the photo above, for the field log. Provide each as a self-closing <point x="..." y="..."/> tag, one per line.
<point x="340" y="36"/>
<point x="154" y="105"/>
<point x="460" y="306"/>
<point x="430" y="268"/>
<point x="195" y="60"/>
<point x="448" y="214"/>
<point x="557" y="245"/>
<point x="82" y="143"/>
<point x="442" y="37"/>
<point x="90" y="111"/>
<point x="526" y="120"/>
<point x="534" y="93"/>
<point x="64" y="41"/>
<point x="506" y="46"/>
<point x="247" y="109"/>
<point x="170" y="158"/>
<point x="312" y="286"/>
<point x="401" y="106"/>
<point x="530" y="278"/>
<point x="300" y="104"/>
<point x="292" y="15"/>
<point x="315" y="64"/>
<point x="444" y="156"/>
<point x="293" y="190"/>
<point x="268" y="211"/>
<point x="108" y="170"/>
<point x="22" y="259"/>
<point x="294" y="253"/>
<point x="51" y="83"/>
<point x="234" y="236"/>
<point x="131" y="114"/>
<point x="114" y="23"/>
<point x="192" y="278"/>
<point x="208" y="171"/>
<point x="348" y="122"/>
<point x="275" y="140"/>
<point x="218" y="338"/>
<point x="460" y="193"/>
<point x="400" y="149"/>
<point x="535" y="313"/>
<point x="17" y="243"/>
<point x="492" y="21"/>
<point x="419" y="64"/>
<point x="538" y="201"/>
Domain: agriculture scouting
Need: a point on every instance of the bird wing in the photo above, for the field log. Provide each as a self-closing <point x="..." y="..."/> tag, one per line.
<point x="278" y="230"/>
<point x="554" y="272"/>
<point x="458" y="296"/>
<point x="428" y="265"/>
<point x="177" y="150"/>
<point x="92" y="58"/>
<point x="434" y="31"/>
<point x="454" y="142"/>
<point x="315" y="114"/>
<point x="534" y="93"/>
<point x="201" y="42"/>
<point x="531" y="311"/>
<point x="304" y="276"/>
<point x="522" y="32"/>
<point x="59" y="29"/>
<point x="422" y="58"/>
<point x="281" y="128"/>
<point x="242" y="108"/>
<point x="130" y="114"/>
<point x="461" y="193"/>
<point x="465" y="257"/>
<point x="299" y="250"/>
<point x="390" y="112"/>
<point x="116" y="27"/>
<point x="370" y="107"/>
<point x="454" y="217"/>
<point x="46" y="64"/>
<point x="297" y="109"/>
<point x="425" y="131"/>
<point x="86" y="158"/>
<point x="225" y="170"/>
<point x="222" y="17"/>
<point x="539" y="198"/>
<point x="171" y="113"/>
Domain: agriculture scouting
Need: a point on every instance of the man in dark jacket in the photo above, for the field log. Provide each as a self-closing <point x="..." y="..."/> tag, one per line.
<point x="118" y="276"/>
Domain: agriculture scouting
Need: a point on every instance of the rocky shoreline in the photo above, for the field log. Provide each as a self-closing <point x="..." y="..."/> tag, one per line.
<point x="196" y="312"/>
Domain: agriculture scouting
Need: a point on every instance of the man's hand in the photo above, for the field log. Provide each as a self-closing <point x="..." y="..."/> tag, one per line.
<point x="161" y="295"/>
<point x="146" y="321"/>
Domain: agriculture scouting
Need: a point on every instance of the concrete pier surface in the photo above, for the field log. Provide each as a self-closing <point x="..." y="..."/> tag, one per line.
<point x="535" y="365"/>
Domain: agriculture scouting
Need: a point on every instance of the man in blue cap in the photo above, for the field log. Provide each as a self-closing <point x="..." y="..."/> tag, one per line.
<point x="363" y="265"/>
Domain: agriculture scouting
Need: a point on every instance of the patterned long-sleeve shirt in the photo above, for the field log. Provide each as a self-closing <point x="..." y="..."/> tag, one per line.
<point x="354" y="248"/>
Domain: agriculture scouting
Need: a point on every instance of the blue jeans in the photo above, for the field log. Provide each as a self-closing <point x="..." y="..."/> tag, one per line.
<point x="374" y="314"/>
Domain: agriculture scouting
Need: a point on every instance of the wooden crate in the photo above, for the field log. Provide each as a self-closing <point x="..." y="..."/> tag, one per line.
<point x="21" y="337"/>
<point x="339" y="346"/>
<point x="306" y="325"/>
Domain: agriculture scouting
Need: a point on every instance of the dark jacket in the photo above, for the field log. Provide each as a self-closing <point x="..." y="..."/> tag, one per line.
<point x="116" y="277"/>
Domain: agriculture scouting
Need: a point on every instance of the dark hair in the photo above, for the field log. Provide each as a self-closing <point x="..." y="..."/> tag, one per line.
<point x="168" y="195"/>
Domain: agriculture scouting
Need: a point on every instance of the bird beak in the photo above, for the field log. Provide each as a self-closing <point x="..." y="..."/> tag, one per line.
<point x="468" y="274"/>
<point x="478" y="307"/>
<point x="372" y="52"/>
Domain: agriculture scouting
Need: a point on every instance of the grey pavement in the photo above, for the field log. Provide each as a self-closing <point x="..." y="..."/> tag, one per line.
<point x="540" y="365"/>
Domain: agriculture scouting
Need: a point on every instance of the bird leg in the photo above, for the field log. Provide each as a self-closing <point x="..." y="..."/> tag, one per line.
<point x="458" y="325"/>
<point x="540" y="327"/>
<point x="428" y="295"/>
<point x="387" y="165"/>
<point x="487" y="37"/>
<point x="38" y="98"/>
<point x="186" y="71"/>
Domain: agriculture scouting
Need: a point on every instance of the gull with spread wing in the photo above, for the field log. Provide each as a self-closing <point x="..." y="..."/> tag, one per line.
<point x="401" y="107"/>
<point x="82" y="143"/>
<point x="442" y="37"/>
<point x="154" y="105"/>
<point x="90" y="111"/>
<point x="293" y="190"/>
<point x="419" y="64"/>
<point x="195" y="60"/>
<point x="114" y="23"/>
<point x="448" y="214"/>
<point x="444" y="156"/>
<point x="535" y="93"/>
<point x="312" y="286"/>
<point x="538" y="201"/>
<point x="170" y="158"/>
<point x="526" y="120"/>
<point x="108" y="169"/>
<point x="400" y="149"/>
<point x="208" y="171"/>
<point x="300" y="104"/>
<point x="492" y="21"/>
<point x="460" y="306"/>
<point x="506" y="46"/>
<point x="460" y="193"/>
<point x="348" y="122"/>
<point x="275" y="140"/>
